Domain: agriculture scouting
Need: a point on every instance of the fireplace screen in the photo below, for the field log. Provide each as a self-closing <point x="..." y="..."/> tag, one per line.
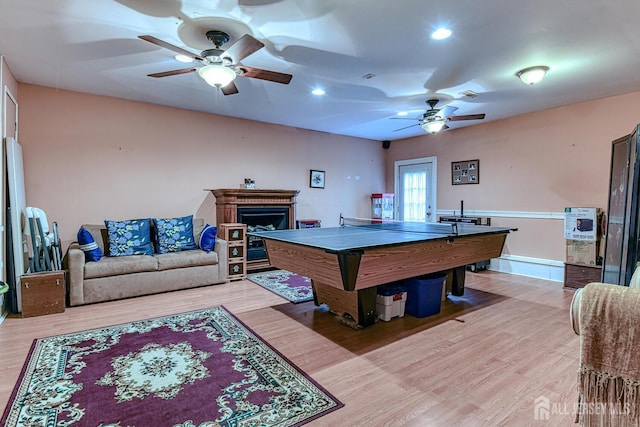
<point x="261" y="219"/>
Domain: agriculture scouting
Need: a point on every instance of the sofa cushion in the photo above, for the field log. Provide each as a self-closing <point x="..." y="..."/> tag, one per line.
<point x="99" y="234"/>
<point x="174" y="234"/>
<point x="186" y="259"/>
<point x="207" y="239"/>
<point x="114" y="266"/>
<point x="129" y="237"/>
<point x="88" y="245"/>
<point x="198" y="226"/>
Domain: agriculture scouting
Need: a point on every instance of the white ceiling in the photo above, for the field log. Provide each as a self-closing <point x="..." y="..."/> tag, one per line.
<point x="591" y="46"/>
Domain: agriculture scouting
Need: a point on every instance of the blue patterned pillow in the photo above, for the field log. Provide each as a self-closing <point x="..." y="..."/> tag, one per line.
<point x="207" y="239"/>
<point x="89" y="246"/>
<point x="130" y="237"/>
<point x="174" y="234"/>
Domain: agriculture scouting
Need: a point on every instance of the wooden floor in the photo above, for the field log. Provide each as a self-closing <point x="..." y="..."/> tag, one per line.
<point x="482" y="361"/>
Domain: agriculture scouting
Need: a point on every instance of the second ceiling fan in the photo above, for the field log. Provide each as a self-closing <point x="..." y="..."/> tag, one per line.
<point x="221" y="67"/>
<point x="434" y="120"/>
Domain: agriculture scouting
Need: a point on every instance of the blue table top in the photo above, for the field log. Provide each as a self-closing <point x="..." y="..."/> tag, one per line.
<point x="346" y="238"/>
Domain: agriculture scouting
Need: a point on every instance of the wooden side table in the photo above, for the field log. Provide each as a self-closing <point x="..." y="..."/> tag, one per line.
<point x="579" y="275"/>
<point x="42" y="293"/>
<point x="235" y="234"/>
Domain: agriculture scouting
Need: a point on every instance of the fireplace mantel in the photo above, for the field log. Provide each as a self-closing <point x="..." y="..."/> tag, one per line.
<point x="229" y="199"/>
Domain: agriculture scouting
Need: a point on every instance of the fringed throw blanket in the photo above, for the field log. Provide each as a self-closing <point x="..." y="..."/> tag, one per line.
<point x="609" y="374"/>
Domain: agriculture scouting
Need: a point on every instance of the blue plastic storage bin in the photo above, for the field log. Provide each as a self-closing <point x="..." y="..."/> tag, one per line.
<point x="424" y="295"/>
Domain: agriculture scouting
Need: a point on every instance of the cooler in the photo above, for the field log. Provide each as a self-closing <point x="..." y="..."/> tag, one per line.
<point x="390" y="301"/>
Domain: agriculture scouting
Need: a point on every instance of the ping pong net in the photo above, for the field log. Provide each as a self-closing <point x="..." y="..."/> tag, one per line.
<point x="400" y="226"/>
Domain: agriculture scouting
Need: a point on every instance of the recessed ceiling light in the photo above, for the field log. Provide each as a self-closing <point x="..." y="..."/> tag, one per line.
<point x="318" y="91"/>
<point x="402" y="113"/>
<point x="441" y="33"/>
<point x="183" y="58"/>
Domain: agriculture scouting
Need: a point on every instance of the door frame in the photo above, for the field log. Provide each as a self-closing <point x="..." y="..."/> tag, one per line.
<point x="432" y="180"/>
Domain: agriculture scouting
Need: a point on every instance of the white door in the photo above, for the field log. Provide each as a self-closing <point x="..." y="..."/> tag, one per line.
<point x="415" y="188"/>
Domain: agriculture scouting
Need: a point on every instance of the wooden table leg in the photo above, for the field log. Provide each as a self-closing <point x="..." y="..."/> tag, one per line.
<point x="360" y="305"/>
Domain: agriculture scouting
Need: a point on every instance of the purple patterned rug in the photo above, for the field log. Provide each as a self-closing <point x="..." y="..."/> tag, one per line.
<point x="201" y="368"/>
<point x="294" y="287"/>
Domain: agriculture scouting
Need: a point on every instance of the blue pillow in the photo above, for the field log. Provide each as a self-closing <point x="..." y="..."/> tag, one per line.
<point x="207" y="239"/>
<point x="89" y="246"/>
<point x="130" y="237"/>
<point x="174" y="234"/>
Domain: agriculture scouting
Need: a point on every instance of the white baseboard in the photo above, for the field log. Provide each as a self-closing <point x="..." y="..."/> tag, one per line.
<point x="547" y="269"/>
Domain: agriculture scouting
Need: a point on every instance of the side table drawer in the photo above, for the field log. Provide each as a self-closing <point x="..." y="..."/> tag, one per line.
<point x="578" y="275"/>
<point x="42" y="293"/>
<point x="236" y="268"/>
<point x="236" y="251"/>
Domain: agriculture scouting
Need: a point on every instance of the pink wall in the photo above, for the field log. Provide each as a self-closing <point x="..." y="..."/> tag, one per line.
<point x="89" y="158"/>
<point x="535" y="163"/>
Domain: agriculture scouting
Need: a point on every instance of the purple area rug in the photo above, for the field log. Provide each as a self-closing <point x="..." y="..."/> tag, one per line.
<point x="201" y="368"/>
<point x="291" y="286"/>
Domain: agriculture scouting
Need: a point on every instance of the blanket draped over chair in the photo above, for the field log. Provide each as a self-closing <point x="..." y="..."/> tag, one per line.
<point x="609" y="373"/>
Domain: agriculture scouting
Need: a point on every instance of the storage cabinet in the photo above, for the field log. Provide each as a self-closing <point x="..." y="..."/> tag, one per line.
<point x="42" y="293"/>
<point x="622" y="247"/>
<point x="579" y="275"/>
<point x="234" y="234"/>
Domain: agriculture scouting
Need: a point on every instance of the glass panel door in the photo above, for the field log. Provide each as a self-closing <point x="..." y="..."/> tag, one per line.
<point x="415" y="189"/>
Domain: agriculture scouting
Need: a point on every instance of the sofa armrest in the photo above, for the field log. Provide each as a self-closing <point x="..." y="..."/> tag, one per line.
<point x="75" y="281"/>
<point x="221" y="248"/>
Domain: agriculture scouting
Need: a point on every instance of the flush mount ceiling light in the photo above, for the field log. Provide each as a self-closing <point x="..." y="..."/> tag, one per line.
<point x="441" y="33"/>
<point x="532" y="75"/>
<point x="433" y="126"/>
<point x="217" y="75"/>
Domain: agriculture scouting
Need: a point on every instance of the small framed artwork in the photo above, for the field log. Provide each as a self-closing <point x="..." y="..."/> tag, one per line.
<point x="465" y="172"/>
<point x="316" y="179"/>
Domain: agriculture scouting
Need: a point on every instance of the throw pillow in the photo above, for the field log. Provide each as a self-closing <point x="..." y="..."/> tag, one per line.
<point x="88" y="245"/>
<point x="130" y="237"/>
<point x="174" y="234"/>
<point x="207" y="239"/>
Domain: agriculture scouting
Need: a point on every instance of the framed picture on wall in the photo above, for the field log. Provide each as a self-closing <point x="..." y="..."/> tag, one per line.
<point x="316" y="179"/>
<point x="465" y="172"/>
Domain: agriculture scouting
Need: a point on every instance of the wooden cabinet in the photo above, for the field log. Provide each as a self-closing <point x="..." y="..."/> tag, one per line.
<point x="234" y="234"/>
<point x="579" y="275"/>
<point x="42" y="293"/>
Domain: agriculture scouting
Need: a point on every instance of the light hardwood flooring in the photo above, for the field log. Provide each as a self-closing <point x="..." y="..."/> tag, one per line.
<point x="482" y="361"/>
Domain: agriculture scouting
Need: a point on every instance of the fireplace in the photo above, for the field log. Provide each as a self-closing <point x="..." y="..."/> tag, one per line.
<point x="261" y="208"/>
<point x="261" y="219"/>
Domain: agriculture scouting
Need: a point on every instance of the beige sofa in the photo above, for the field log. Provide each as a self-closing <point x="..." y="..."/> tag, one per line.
<point x="120" y="277"/>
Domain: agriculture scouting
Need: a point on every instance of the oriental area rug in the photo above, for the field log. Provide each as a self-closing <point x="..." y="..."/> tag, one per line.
<point x="291" y="286"/>
<point x="203" y="368"/>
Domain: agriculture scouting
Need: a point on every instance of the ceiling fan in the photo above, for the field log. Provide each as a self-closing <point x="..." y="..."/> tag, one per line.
<point x="434" y="120"/>
<point x="221" y="66"/>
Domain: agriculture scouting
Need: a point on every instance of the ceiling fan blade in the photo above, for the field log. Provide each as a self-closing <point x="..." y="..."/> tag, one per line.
<point x="169" y="46"/>
<point x="173" y="72"/>
<point x="229" y="89"/>
<point x="407" y="127"/>
<point x="242" y="48"/>
<point x="468" y="117"/>
<point x="447" y="110"/>
<point x="271" y="76"/>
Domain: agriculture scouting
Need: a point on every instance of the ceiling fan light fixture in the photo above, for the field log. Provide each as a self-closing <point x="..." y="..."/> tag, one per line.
<point x="532" y="75"/>
<point x="433" y="126"/>
<point x="217" y="75"/>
